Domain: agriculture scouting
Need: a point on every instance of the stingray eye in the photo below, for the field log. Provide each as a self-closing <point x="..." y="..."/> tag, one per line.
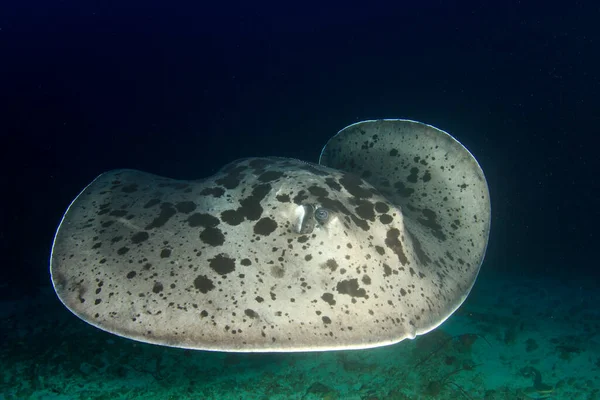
<point x="321" y="214"/>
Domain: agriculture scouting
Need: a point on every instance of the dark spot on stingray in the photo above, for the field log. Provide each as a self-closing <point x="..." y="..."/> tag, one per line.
<point x="232" y="217"/>
<point x="259" y="299"/>
<point x="318" y="191"/>
<point x="392" y="241"/>
<point x="246" y="262"/>
<point x="367" y="145"/>
<point x="97" y="301"/>
<point x="381" y="207"/>
<point x="122" y="250"/>
<point x="157" y="288"/>
<point x="414" y="175"/>
<point x="131" y="274"/>
<point x="300" y="197"/>
<point x="265" y="226"/>
<point x="385" y="219"/>
<point x="308" y="257"/>
<point x="403" y="292"/>
<point x="130" y="188"/>
<point x="222" y="264"/>
<point x="185" y="207"/>
<point x="393" y="152"/>
<point x="326" y="320"/>
<point x="251" y="313"/>
<point x="203" y="284"/>
<point x="328" y="298"/>
<point x="283" y="198"/>
<point x="116" y="239"/>
<point x="387" y="270"/>
<point x="426" y="176"/>
<point x="214" y="192"/>
<point x="139" y="237"/>
<point x="97" y="245"/>
<point x="361" y="223"/>
<point x="107" y="224"/>
<point x="366" y="279"/>
<point x="430" y="221"/>
<point x="302" y="239"/>
<point x="250" y="206"/>
<point x="331" y="264"/>
<point x="151" y="203"/>
<point x="212" y="236"/>
<point x="104" y="211"/>
<point x="350" y="287"/>
<point x="270" y="176"/>
<point x="352" y="184"/>
<point x="365" y="210"/>
<point x="204" y="220"/>
<point x="166" y="212"/>
<point x="118" y="213"/>
<point x="332" y="183"/>
<point x="204" y="314"/>
<point x="403" y="190"/>
<point x="165" y="253"/>
<point x="380" y="250"/>
<point x="232" y="179"/>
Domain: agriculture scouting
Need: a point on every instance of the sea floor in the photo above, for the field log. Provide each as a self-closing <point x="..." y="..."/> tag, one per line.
<point x="513" y="338"/>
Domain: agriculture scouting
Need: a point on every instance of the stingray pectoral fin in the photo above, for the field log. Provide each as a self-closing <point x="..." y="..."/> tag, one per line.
<point x="443" y="195"/>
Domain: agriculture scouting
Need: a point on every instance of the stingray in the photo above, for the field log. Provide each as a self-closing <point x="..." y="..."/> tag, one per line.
<point x="381" y="241"/>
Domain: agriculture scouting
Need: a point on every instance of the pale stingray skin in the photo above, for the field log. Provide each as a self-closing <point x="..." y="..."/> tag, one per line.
<point x="280" y="255"/>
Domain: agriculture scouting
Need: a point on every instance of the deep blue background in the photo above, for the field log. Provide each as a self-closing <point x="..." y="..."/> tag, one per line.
<point x="180" y="90"/>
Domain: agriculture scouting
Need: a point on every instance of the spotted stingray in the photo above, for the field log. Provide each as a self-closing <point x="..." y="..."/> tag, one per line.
<point x="382" y="240"/>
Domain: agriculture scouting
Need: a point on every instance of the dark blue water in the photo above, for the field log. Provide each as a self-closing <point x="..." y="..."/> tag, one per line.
<point x="180" y="90"/>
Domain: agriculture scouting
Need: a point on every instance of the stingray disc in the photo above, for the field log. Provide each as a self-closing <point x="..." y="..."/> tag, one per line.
<point x="379" y="242"/>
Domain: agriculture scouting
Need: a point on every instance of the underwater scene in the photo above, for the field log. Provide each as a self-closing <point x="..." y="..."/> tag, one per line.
<point x="312" y="200"/>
